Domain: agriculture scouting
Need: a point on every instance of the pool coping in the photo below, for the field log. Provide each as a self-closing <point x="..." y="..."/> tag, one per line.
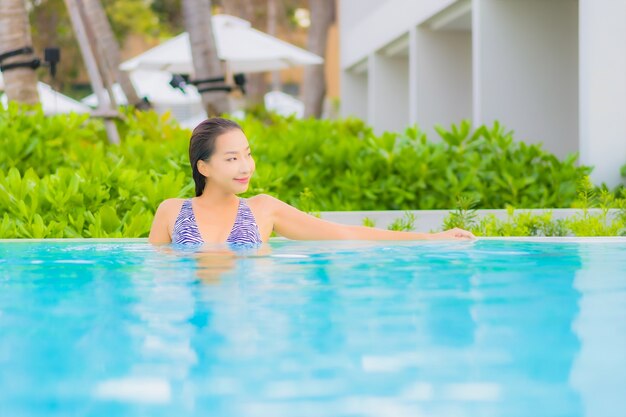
<point x="432" y="220"/>
<point x="424" y="220"/>
<point x="556" y="239"/>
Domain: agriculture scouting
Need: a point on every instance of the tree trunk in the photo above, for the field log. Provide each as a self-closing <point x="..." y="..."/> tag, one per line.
<point x="240" y="8"/>
<point x="256" y="86"/>
<point x="272" y="23"/>
<point x="206" y="64"/>
<point x="77" y="19"/>
<point x="314" y="83"/>
<point x="20" y="84"/>
<point x="108" y="51"/>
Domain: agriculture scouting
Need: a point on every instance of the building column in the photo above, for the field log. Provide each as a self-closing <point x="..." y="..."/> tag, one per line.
<point x="526" y="69"/>
<point x="354" y="92"/>
<point x="443" y="78"/>
<point x="603" y="88"/>
<point x="388" y="100"/>
<point x="413" y="84"/>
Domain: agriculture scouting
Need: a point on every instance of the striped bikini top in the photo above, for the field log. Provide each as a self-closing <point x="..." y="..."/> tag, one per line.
<point x="244" y="232"/>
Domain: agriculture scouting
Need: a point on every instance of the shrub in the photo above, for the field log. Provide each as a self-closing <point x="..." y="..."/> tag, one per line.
<point x="59" y="177"/>
<point x="525" y="223"/>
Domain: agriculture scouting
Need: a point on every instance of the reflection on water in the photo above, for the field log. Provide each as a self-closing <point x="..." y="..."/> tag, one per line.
<point x="599" y="371"/>
<point x="312" y="328"/>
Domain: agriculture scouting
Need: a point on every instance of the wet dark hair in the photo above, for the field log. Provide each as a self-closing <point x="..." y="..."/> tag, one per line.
<point x="202" y="145"/>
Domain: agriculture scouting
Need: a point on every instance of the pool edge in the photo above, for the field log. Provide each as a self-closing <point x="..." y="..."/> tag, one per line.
<point x="570" y="239"/>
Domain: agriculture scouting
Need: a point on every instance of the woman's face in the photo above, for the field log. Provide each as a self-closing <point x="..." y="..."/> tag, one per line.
<point x="231" y="166"/>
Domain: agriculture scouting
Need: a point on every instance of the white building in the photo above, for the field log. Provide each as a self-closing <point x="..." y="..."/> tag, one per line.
<point x="554" y="71"/>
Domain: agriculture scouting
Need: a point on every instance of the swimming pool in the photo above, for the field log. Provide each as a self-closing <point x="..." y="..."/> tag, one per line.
<point x="489" y="328"/>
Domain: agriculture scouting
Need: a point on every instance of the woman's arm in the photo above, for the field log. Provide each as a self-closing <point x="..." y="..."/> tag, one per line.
<point x="294" y="224"/>
<point x="159" y="232"/>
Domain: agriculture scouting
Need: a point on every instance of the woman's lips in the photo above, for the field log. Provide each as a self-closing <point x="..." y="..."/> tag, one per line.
<point x="242" y="180"/>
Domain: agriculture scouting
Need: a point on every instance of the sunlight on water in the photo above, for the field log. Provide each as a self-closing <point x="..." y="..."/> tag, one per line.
<point x="489" y="328"/>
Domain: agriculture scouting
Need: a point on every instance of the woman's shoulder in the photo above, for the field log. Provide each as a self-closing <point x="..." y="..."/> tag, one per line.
<point x="171" y="205"/>
<point x="262" y="203"/>
<point x="262" y="200"/>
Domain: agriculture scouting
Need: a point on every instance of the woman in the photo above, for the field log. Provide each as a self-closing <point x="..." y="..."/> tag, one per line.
<point x="222" y="166"/>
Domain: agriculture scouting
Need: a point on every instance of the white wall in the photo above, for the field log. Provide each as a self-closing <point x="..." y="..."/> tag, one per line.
<point x="603" y="88"/>
<point x="443" y="71"/>
<point x="388" y="106"/>
<point x="396" y="107"/>
<point x="526" y="69"/>
<point x="354" y="92"/>
<point x="551" y="70"/>
<point x="352" y="12"/>
<point x="390" y="20"/>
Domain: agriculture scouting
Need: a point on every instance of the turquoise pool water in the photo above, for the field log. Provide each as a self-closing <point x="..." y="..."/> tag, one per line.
<point x="489" y="328"/>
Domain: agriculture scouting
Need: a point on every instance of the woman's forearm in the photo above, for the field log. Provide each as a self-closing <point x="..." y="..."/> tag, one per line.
<point x="372" y="233"/>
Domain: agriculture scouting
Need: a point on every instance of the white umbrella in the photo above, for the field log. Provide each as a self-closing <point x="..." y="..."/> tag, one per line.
<point x="155" y="86"/>
<point x="244" y="49"/>
<point x="54" y="102"/>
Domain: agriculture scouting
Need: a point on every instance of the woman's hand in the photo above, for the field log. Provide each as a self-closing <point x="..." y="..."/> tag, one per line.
<point x="455" y="233"/>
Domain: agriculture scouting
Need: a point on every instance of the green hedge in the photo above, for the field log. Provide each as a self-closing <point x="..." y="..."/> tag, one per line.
<point x="60" y="178"/>
<point x="523" y="223"/>
<point x="347" y="167"/>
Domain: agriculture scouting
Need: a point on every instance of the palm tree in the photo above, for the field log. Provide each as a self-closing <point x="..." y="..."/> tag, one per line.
<point x="314" y="88"/>
<point x="272" y="23"/>
<point x="206" y="64"/>
<point x="20" y="83"/>
<point x="249" y="10"/>
<point x="108" y="51"/>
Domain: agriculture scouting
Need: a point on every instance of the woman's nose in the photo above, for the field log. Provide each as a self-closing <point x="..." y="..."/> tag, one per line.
<point x="245" y="166"/>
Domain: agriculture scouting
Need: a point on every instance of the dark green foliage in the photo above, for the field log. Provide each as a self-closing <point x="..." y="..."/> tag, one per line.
<point x="60" y="178"/>
<point x="350" y="168"/>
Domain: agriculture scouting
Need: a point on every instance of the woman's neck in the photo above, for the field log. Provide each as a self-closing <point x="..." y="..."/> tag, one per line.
<point x="216" y="197"/>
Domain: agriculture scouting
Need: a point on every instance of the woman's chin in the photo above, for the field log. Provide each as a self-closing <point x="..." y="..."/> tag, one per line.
<point x="241" y="189"/>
